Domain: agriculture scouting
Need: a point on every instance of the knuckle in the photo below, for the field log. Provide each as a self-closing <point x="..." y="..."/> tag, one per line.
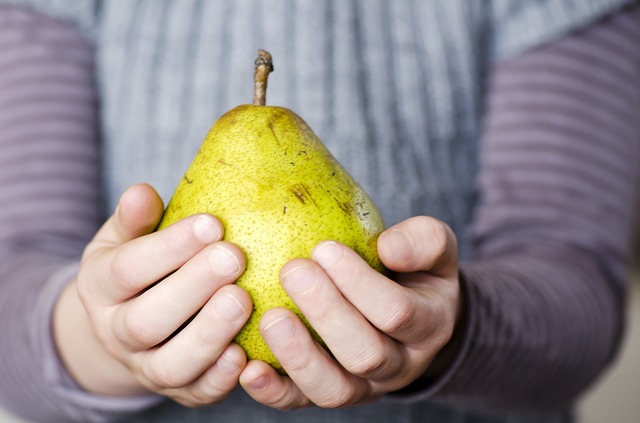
<point x="168" y="246"/>
<point x="371" y="365"/>
<point x="281" y="400"/>
<point x="121" y="272"/>
<point x="341" y="397"/>
<point x="163" y="376"/>
<point x="218" y="392"/>
<point x="298" y="363"/>
<point x="209" y="395"/>
<point x="400" y="316"/>
<point x="136" y="331"/>
<point x="322" y="312"/>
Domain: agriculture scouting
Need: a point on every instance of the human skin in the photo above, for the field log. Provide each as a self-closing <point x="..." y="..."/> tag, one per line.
<point x="120" y="325"/>
<point x="393" y="331"/>
<point x="113" y="322"/>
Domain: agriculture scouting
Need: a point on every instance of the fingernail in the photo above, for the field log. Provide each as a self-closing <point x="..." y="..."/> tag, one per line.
<point x="205" y="229"/>
<point x="228" y="307"/>
<point x="395" y="244"/>
<point x="223" y="262"/>
<point x="280" y="330"/>
<point x="327" y="254"/>
<point x="259" y="384"/>
<point x="298" y="279"/>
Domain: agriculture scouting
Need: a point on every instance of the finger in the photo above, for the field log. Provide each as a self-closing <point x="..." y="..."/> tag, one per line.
<point x="143" y="261"/>
<point x="150" y="318"/>
<point x="269" y="388"/>
<point x="138" y="213"/>
<point x="308" y="365"/>
<point x="395" y="310"/>
<point x="358" y="346"/>
<point x="420" y="244"/>
<point x="216" y="383"/>
<point x="198" y="346"/>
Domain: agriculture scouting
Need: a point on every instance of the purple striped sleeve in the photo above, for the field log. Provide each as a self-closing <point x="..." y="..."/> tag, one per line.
<point x="559" y="181"/>
<point x="49" y="191"/>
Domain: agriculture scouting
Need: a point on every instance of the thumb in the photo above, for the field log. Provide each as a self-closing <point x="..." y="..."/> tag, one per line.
<point x="420" y="244"/>
<point x="138" y="213"/>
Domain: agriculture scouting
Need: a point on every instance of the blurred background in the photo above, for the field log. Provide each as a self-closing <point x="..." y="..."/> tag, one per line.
<point x="616" y="396"/>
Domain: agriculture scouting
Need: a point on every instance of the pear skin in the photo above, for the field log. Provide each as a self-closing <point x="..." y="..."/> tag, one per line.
<point x="278" y="192"/>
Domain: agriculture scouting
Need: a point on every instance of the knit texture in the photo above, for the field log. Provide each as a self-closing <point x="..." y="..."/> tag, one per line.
<point x="400" y="102"/>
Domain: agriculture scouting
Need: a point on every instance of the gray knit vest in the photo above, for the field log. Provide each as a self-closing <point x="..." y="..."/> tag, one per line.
<point x="395" y="89"/>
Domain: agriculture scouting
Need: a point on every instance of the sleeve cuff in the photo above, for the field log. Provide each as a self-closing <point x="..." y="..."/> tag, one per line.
<point x="423" y="389"/>
<point x="96" y="407"/>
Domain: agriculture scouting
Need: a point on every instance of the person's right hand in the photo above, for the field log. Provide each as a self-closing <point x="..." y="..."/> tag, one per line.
<point x="139" y="290"/>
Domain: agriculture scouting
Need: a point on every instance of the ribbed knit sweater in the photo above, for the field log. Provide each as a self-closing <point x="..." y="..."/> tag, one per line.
<point x="516" y="125"/>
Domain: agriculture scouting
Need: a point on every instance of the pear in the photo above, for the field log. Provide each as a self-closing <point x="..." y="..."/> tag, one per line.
<point x="278" y="192"/>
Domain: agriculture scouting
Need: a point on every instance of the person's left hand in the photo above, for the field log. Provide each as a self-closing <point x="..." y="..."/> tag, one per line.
<point x="382" y="334"/>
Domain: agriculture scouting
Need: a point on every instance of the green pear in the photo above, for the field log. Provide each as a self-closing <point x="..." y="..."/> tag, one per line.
<point x="278" y="192"/>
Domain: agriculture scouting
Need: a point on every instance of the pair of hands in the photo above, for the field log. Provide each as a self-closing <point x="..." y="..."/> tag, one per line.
<point x="382" y="334"/>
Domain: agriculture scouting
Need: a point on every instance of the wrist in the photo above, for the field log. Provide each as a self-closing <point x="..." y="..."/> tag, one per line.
<point x="82" y="354"/>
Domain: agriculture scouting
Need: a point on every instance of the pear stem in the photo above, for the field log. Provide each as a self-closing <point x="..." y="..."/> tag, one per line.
<point x="264" y="65"/>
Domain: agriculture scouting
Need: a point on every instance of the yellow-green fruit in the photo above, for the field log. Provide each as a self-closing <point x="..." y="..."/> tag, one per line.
<point x="278" y="192"/>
